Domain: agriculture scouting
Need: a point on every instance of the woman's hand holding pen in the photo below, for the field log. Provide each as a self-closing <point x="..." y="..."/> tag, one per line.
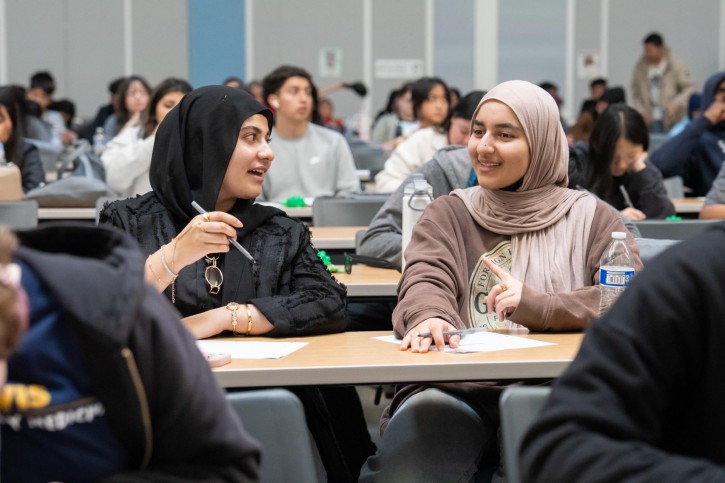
<point x="505" y="296"/>
<point x="435" y="327"/>
<point x="203" y="235"/>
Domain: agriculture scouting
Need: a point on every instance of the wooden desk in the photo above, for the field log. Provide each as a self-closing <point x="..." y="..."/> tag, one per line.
<point x="301" y="212"/>
<point x="335" y="237"/>
<point x="357" y="358"/>
<point x="66" y="213"/>
<point x="688" y="205"/>
<point x="367" y="281"/>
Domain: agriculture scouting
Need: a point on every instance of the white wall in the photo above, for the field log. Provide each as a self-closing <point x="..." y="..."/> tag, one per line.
<point x="86" y="43"/>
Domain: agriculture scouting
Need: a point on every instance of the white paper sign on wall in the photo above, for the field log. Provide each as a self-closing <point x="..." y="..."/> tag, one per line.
<point x="398" y="68"/>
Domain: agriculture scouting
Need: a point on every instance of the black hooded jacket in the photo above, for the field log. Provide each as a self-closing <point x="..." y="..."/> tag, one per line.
<point x="160" y="397"/>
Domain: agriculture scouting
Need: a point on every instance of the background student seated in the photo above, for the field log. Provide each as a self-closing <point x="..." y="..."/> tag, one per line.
<point x="311" y="160"/>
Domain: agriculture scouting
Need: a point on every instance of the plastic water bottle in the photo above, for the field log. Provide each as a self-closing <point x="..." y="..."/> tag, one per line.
<point x="615" y="271"/>
<point x="2" y="154"/>
<point x="99" y="141"/>
<point x="416" y="196"/>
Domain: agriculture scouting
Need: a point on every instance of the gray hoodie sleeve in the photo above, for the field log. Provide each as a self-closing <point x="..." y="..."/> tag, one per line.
<point x="448" y="170"/>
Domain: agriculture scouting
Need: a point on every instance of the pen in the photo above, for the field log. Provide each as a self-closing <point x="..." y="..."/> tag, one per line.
<point x="627" y="199"/>
<point x="231" y="240"/>
<point x="456" y="332"/>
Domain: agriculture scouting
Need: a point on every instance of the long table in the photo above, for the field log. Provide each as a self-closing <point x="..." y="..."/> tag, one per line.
<point x="688" y="205"/>
<point x="358" y="358"/>
<point x="367" y="281"/>
<point x="335" y="237"/>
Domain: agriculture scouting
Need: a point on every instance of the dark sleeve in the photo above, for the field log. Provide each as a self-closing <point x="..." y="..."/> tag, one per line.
<point x="648" y="376"/>
<point x="32" y="173"/>
<point x="672" y="158"/>
<point x="649" y="194"/>
<point x="311" y="300"/>
<point x="196" y="435"/>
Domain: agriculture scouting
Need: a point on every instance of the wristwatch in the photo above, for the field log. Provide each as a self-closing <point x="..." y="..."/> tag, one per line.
<point x="233" y="307"/>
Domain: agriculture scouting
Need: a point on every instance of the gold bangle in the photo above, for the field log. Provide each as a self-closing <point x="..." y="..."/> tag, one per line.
<point x="148" y="264"/>
<point x="233" y="306"/>
<point x="249" y="319"/>
<point x="166" y="264"/>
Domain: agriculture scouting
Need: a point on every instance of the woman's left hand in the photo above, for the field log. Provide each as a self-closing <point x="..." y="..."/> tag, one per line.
<point x="504" y="297"/>
<point x="639" y="163"/>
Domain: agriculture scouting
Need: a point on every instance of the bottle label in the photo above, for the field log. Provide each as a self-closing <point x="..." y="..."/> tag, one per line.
<point x="615" y="276"/>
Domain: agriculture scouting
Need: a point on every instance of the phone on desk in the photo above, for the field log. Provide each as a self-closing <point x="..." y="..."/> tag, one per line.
<point x="216" y="360"/>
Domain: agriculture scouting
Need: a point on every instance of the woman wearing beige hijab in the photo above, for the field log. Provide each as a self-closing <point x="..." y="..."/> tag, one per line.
<point x="520" y="249"/>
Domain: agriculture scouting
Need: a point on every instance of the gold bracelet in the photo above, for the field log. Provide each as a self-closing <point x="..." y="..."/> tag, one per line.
<point x="249" y="319"/>
<point x="148" y="264"/>
<point x="166" y="264"/>
<point x="233" y="306"/>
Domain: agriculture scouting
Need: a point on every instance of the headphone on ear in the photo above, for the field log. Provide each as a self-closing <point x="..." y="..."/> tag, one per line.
<point x="274" y="103"/>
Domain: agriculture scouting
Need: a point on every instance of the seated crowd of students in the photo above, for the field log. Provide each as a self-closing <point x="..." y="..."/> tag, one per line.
<point x="522" y="212"/>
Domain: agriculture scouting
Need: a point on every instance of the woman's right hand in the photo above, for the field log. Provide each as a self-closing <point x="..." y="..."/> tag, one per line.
<point x="203" y="235"/>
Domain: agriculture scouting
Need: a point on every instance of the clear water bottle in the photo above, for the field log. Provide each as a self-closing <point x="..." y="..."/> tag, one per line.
<point x="99" y="141"/>
<point x="416" y="196"/>
<point x="615" y="271"/>
<point x="2" y="154"/>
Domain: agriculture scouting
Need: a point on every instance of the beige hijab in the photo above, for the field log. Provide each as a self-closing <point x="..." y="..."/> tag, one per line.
<point x="548" y="223"/>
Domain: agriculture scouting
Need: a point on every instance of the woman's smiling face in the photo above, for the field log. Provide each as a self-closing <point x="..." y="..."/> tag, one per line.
<point x="498" y="146"/>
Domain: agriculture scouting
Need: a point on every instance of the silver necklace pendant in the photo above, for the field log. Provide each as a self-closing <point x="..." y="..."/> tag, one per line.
<point x="214" y="277"/>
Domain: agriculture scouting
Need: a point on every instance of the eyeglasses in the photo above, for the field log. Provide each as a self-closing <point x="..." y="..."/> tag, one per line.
<point x="351" y="258"/>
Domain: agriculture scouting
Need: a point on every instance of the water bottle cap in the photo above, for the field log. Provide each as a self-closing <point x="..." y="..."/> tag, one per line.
<point x="619" y="235"/>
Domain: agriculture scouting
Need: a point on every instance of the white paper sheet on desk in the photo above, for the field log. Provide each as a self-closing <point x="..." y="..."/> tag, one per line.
<point x="240" y="349"/>
<point x="484" y="342"/>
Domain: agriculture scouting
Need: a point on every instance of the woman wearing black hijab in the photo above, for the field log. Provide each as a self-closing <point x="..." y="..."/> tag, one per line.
<point x="212" y="148"/>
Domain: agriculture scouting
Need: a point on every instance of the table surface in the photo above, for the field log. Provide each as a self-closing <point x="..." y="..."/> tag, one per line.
<point x="367" y="281"/>
<point x="335" y="237"/>
<point x="688" y="205"/>
<point x="358" y="358"/>
<point x="66" y="213"/>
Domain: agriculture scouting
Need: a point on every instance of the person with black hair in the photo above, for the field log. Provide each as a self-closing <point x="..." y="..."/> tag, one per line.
<point x="311" y="160"/>
<point x="104" y="112"/>
<point x="617" y="164"/>
<point x="597" y="87"/>
<point x="394" y="123"/>
<point x="698" y="152"/>
<point x="423" y="144"/>
<point x="127" y="157"/>
<point x="133" y="97"/>
<point x="40" y="92"/>
<point x="234" y="81"/>
<point x="17" y="150"/>
<point x="661" y="85"/>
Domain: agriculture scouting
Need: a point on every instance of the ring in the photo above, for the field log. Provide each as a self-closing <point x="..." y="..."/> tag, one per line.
<point x="207" y="217"/>
<point x="503" y="286"/>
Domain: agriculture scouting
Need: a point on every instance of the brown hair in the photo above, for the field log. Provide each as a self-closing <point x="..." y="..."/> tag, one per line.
<point x="10" y="325"/>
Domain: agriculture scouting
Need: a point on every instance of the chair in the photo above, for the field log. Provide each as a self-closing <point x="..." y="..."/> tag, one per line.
<point x="675" y="187"/>
<point x="672" y="229"/>
<point x="519" y="406"/>
<point x="50" y="156"/>
<point x="353" y="211"/>
<point x="368" y="156"/>
<point x="276" y="419"/>
<point x="19" y="215"/>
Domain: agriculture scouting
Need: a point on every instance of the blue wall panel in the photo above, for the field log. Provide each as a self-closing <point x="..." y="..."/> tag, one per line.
<point x="216" y="41"/>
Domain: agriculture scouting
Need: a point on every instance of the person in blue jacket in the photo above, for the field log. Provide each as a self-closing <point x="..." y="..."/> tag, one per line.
<point x="697" y="153"/>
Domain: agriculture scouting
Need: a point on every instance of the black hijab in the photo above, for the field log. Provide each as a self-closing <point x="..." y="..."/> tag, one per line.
<point x="193" y="147"/>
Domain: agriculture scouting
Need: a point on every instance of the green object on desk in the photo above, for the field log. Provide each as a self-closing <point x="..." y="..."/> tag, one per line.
<point x="325" y="258"/>
<point x="295" y="202"/>
<point x="673" y="218"/>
